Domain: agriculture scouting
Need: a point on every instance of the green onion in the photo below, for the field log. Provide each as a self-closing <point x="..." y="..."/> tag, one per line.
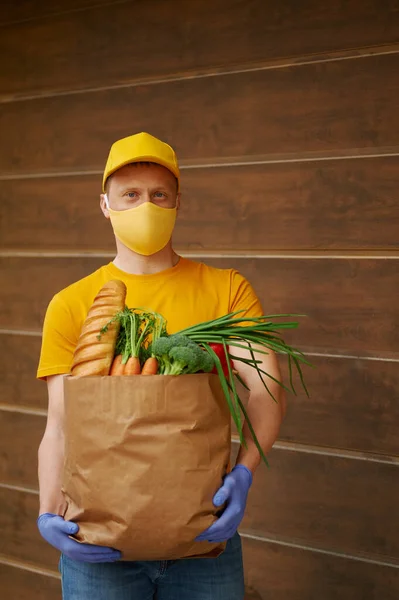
<point x="244" y="332"/>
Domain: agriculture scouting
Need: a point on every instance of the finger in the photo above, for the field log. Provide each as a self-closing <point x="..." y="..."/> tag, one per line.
<point x="223" y="493"/>
<point x="86" y="549"/>
<point x="65" y="526"/>
<point x="212" y="531"/>
<point x="202" y="537"/>
<point x="100" y="558"/>
<point x="222" y="538"/>
<point x="226" y="522"/>
<point x="85" y="556"/>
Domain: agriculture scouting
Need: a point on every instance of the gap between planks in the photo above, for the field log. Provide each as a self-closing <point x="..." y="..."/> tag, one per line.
<point x="244" y="534"/>
<point x="366" y="254"/>
<point x="279" y="445"/>
<point x="26" y="566"/>
<point x="299" y="546"/>
<point x="390" y="357"/>
<point x="232" y="161"/>
<point x="334" y="452"/>
<point x="215" y="71"/>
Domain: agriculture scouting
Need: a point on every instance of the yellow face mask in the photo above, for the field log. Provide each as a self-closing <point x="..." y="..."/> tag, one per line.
<point x="145" y="229"/>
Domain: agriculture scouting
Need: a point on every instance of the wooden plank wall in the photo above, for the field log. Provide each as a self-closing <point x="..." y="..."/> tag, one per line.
<point x="285" y="118"/>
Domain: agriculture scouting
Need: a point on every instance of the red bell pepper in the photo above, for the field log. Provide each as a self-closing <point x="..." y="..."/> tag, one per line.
<point x="220" y="353"/>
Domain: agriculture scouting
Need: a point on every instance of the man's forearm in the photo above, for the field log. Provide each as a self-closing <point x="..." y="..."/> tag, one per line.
<point x="266" y="417"/>
<point x="51" y="463"/>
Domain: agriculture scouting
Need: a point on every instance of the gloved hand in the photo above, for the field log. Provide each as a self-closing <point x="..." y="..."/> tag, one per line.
<point x="234" y="491"/>
<point x="56" y="531"/>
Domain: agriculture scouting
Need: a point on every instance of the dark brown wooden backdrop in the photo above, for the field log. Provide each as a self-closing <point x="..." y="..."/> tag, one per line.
<point x="285" y="116"/>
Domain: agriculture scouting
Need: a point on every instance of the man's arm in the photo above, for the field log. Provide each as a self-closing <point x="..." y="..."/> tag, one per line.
<point x="51" y="451"/>
<point x="265" y="414"/>
<point x="52" y="526"/>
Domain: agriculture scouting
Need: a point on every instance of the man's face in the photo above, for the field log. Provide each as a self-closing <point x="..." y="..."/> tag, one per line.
<point x="135" y="184"/>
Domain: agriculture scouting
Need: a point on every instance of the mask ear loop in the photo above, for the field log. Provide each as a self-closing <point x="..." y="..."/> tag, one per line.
<point x="106" y="201"/>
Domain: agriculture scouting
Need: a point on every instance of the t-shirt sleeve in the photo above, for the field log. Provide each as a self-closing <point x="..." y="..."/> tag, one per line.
<point x="243" y="297"/>
<point x="58" y="341"/>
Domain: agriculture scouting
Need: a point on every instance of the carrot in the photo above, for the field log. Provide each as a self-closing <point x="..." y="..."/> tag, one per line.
<point x="132" y="366"/>
<point x="150" y="366"/>
<point x="117" y="367"/>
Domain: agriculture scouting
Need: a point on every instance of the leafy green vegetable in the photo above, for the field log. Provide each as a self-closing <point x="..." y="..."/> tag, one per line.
<point x="244" y="332"/>
<point x="178" y="355"/>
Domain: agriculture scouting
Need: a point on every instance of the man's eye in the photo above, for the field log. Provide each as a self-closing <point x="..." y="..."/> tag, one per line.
<point x="131" y="194"/>
<point x="159" y="194"/>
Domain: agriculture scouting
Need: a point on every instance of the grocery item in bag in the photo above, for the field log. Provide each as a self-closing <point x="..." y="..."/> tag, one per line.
<point x="144" y="457"/>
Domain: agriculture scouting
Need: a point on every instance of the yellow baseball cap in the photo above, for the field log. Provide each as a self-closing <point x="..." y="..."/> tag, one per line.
<point x="140" y="147"/>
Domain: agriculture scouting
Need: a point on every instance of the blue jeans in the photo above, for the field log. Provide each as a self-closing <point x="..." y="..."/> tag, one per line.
<point x="218" y="578"/>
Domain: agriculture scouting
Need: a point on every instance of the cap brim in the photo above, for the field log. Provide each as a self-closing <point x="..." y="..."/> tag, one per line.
<point x="146" y="158"/>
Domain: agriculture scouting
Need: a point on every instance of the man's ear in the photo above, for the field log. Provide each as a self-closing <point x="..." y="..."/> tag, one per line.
<point x="103" y="206"/>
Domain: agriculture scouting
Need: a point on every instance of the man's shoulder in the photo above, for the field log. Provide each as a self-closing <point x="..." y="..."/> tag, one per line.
<point x="216" y="272"/>
<point x="84" y="289"/>
<point x="221" y="277"/>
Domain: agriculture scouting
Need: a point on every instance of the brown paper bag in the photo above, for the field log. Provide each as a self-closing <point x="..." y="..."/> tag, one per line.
<point x="144" y="456"/>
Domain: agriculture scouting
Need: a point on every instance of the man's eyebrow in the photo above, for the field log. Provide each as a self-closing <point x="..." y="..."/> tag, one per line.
<point x="160" y="186"/>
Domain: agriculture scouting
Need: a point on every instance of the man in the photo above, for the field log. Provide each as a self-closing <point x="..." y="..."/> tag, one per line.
<point x="141" y="197"/>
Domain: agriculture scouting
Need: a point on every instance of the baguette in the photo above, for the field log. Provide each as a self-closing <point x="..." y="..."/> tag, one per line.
<point x="93" y="356"/>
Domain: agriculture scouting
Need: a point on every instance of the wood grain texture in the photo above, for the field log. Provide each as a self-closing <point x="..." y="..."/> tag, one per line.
<point x="20" y="436"/>
<point x="65" y="50"/>
<point x="20" y="537"/>
<point x="353" y="403"/>
<point x="19" y="584"/>
<point x="283" y="573"/>
<point x="360" y="317"/>
<point x="18" y="371"/>
<point x="293" y="110"/>
<point x="301" y="497"/>
<point x="331" y="205"/>
<point x="23" y="10"/>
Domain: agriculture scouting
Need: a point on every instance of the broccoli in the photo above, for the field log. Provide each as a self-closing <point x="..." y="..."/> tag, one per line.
<point x="207" y="362"/>
<point x="177" y="355"/>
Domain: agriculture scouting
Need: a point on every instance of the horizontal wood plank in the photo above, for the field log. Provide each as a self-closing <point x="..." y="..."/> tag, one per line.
<point x="20" y="436"/>
<point x="361" y="317"/>
<point x="20" y="538"/>
<point x="229" y="116"/>
<point x="65" y="50"/>
<point x="274" y="207"/>
<point x="20" y="584"/>
<point x="352" y="406"/>
<point x="28" y="10"/>
<point x="352" y="403"/>
<point x="344" y="307"/>
<point x="18" y="385"/>
<point x="283" y="573"/>
<point x="301" y="497"/>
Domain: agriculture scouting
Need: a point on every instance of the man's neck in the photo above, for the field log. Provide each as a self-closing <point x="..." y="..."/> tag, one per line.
<point x="137" y="264"/>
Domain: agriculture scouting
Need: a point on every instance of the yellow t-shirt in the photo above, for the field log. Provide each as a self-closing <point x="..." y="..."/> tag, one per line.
<point x="186" y="294"/>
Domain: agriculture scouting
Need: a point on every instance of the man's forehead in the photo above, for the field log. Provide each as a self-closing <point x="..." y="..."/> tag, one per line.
<point x="139" y="172"/>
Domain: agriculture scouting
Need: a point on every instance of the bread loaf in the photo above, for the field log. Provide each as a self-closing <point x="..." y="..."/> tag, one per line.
<point x="93" y="356"/>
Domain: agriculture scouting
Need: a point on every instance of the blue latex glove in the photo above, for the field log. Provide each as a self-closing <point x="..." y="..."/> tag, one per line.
<point x="234" y="491"/>
<point x="56" y="531"/>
